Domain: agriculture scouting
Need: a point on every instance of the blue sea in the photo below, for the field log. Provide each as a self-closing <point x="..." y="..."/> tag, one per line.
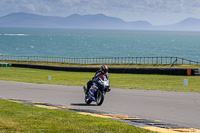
<point x="99" y="43"/>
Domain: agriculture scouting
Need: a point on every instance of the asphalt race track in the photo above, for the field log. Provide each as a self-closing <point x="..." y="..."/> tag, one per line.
<point x="172" y="107"/>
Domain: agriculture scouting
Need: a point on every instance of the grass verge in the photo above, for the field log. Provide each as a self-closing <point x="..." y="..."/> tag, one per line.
<point x="16" y="117"/>
<point x="127" y="81"/>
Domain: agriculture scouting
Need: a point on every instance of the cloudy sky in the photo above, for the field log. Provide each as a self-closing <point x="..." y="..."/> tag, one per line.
<point x="157" y="12"/>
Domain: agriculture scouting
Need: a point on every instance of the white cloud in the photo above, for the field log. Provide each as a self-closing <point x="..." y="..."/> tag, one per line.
<point x="28" y="7"/>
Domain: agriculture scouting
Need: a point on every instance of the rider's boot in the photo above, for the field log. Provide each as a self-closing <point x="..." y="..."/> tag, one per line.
<point x="87" y="89"/>
<point x="86" y="92"/>
<point x="89" y="83"/>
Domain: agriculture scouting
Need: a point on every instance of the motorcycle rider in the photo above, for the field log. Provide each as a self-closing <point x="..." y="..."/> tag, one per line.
<point x="103" y="71"/>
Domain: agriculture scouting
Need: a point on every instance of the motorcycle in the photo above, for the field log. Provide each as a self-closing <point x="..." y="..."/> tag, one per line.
<point x="98" y="90"/>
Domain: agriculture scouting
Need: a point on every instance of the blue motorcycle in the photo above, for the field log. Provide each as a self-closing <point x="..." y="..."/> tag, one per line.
<point x="98" y="90"/>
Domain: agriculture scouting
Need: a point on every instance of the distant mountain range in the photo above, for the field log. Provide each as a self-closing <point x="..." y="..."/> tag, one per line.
<point x="98" y="21"/>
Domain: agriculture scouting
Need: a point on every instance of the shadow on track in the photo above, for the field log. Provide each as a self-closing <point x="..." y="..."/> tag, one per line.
<point x="82" y="104"/>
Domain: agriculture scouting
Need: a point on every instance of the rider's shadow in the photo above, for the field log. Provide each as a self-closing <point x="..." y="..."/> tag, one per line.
<point x="82" y="104"/>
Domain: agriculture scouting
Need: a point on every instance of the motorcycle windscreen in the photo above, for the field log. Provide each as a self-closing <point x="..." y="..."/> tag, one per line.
<point x="104" y="81"/>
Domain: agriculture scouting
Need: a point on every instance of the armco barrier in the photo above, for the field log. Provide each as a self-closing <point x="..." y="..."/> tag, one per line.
<point x="4" y="64"/>
<point x="161" y="71"/>
<point x="58" y="68"/>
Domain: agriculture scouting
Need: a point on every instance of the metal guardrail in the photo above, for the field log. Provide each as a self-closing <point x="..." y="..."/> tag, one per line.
<point x="107" y="60"/>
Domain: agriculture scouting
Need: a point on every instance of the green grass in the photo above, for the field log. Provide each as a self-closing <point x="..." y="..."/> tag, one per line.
<point x="16" y="117"/>
<point x="157" y="82"/>
<point x="127" y="81"/>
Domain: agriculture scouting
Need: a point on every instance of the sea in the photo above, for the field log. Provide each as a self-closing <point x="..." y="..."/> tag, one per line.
<point x="83" y="43"/>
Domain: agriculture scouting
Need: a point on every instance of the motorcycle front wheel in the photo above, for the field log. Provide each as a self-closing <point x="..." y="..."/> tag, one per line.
<point x="99" y="97"/>
<point x="87" y="99"/>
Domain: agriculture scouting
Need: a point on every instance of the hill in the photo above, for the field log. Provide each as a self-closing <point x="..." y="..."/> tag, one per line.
<point x="97" y="21"/>
<point x="188" y="24"/>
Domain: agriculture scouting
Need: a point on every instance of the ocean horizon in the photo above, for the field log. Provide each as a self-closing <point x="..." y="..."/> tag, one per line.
<point x="84" y="43"/>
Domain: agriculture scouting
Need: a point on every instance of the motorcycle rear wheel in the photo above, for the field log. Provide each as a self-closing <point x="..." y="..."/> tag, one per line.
<point x="99" y="97"/>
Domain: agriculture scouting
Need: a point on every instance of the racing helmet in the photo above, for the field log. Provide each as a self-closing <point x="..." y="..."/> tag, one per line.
<point x="104" y="69"/>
